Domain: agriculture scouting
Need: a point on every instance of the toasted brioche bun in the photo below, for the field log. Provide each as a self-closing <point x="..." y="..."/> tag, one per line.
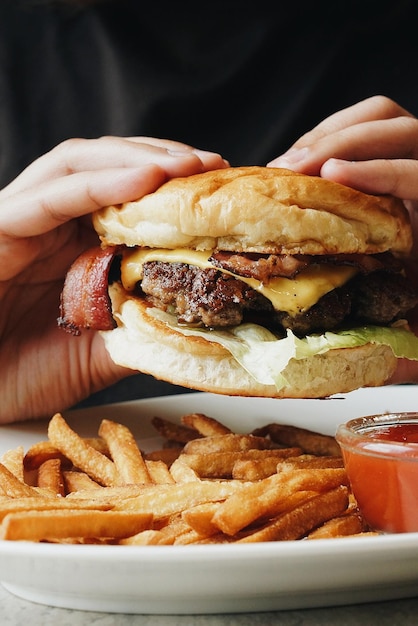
<point x="259" y="209"/>
<point x="141" y="342"/>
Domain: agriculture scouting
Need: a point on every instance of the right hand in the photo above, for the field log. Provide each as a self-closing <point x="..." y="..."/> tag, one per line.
<point x="45" y="224"/>
<point x="371" y="146"/>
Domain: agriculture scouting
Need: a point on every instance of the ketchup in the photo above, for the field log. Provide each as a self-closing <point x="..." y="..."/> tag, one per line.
<point x="385" y="486"/>
<point x="405" y="432"/>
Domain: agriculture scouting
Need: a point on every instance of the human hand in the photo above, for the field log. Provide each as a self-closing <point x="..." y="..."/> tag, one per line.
<point x="44" y="225"/>
<point x="371" y="146"/>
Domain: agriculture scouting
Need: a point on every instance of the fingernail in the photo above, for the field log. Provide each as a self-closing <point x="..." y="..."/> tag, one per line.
<point x="292" y="156"/>
<point x="180" y="153"/>
<point x="207" y="157"/>
<point x="204" y="153"/>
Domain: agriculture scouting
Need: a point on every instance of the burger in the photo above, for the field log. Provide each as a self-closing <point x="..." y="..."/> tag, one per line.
<point x="250" y="281"/>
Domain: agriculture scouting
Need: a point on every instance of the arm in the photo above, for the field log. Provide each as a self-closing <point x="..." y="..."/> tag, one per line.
<point x="44" y="225"/>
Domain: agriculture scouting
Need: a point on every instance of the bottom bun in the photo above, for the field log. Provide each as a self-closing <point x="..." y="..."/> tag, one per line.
<point x="143" y="343"/>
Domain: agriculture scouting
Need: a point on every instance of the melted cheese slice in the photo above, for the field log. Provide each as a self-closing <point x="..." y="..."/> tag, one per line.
<point x="294" y="295"/>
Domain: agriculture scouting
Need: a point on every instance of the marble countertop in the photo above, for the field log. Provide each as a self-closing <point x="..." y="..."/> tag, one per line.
<point x="14" y="611"/>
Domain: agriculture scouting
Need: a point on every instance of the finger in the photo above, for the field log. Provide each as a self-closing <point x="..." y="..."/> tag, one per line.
<point x="77" y="155"/>
<point x="39" y="210"/>
<point x="209" y="160"/>
<point x="392" y="139"/>
<point x="406" y="372"/>
<point x="396" y="177"/>
<point x="178" y="148"/>
<point x="370" y="109"/>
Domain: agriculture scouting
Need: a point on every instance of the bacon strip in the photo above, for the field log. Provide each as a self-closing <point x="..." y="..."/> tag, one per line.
<point x="266" y="266"/>
<point x="261" y="266"/>
<point x="85" y="301"/>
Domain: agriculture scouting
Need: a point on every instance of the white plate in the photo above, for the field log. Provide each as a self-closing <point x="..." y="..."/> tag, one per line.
<point x="216" y="578"/>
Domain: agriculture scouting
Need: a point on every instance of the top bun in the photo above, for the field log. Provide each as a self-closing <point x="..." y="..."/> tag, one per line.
<point x="259" y="209"/>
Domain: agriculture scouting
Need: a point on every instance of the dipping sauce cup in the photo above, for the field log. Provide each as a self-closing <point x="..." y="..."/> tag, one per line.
<point x="380" y="453"/>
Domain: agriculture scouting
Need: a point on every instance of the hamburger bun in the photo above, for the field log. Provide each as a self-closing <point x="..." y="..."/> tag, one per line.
<point x="259" y="209"/>
<point x="143" y="343"/>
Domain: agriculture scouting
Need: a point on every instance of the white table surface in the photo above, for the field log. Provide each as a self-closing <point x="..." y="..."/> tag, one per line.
<point x="14" y="611"/>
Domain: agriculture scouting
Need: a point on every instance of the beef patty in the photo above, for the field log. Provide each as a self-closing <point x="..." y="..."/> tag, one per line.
<point x="208" y="297"/>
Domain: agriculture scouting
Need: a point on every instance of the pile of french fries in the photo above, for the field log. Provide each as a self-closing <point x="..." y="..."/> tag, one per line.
<point x="205" y="485"/>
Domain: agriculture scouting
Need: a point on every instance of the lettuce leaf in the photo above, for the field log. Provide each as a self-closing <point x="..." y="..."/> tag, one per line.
<point x="265" y="356"/>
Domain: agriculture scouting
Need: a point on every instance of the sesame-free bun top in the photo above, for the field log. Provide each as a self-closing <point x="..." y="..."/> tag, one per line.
<point x="259" y="209"/>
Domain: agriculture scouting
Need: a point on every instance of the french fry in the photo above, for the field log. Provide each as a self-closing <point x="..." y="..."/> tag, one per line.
<point x="342" y="526"/>
<point x="190" y="537"/>
<point x="116" y="494"/>
<point x="166" y="455"/>
<point x="215" y="539"/>
<point x="148" y="538"/>
<point x="166" y="500"/>
<point x="199" y="518"/>
<point x="226" y="443"/>
<point x="125" y="453"/>
<point x="50" y="477"/>
<point x="297" y="522"/>
<point x="310" y="461"/>
<point x="221" y="464"/>
<point x="261" y="498"/>
<point x="254" y="469"/>
<point x="181" y="472"/>
<point x="40" y="452"/>
<point x="78" y="481"/>
<point x="44" y="450"/>
<point x="81" y="453"/>
<point x="172" y="527"/>
<point x="211" y="465"/>
<point x="12" y="486"/>
<point x="13" y="461"/>
<point x="310" y="442"/>
<point x="206" y="426"/>
<point x="257" y="469"/>
<point x="174" y="432"/>
<point x="159" y="472"/>
<point x="40" y="525"/>
<point x="33" y="503"/>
